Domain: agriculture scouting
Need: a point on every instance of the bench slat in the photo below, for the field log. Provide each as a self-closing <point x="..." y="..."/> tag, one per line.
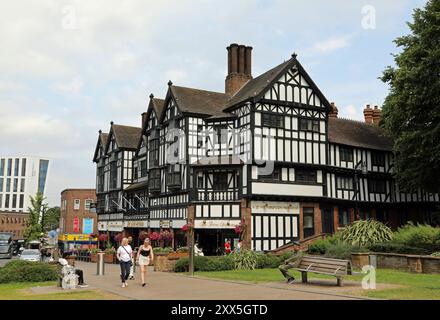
<point x="323" y="270"/>
<point x="328" y="266"/>
<point x="325" y="261"/>
<point x="338" y="274"/>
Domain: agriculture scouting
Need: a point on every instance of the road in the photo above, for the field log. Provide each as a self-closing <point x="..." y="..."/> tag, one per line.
<point x="5" y="261"/>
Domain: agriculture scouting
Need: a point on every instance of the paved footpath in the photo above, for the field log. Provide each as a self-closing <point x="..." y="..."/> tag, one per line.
<point x="163" y="285"/>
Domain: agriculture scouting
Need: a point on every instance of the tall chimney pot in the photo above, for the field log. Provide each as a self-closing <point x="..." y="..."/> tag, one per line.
<point x="334" y="111"/>
<point x="377" y="115"/>
<point x="239" y="67"/>
<point x="368" y="114"/>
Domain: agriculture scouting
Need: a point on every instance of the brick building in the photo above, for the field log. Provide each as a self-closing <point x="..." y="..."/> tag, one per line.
<point x="14" y="222"/>
<point x="76" y="214"/>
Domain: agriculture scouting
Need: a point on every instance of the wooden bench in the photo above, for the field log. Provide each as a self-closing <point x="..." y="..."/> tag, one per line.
<point x="333" y="267"/>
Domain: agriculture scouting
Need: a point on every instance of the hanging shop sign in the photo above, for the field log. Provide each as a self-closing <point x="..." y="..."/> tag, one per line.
<point x="70" y="237"/>
<point x="136" y="224"/>
<point x="102" y="226"/>
<point x="275" y="207"/>
<point x="115" y="226"/>
<point x="166" y="223"/>
<point x="215" y="224"/>
<point x="88" y="225"/>
<point x="76" y="224"/>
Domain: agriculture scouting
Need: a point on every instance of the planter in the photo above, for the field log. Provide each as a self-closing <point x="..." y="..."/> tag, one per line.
<point x="94" y="257"/>
<point x="177" y="255"/>
<point x="163" y="263"/>
<point x="109" y="257"/>
<point x="358" y="260"/>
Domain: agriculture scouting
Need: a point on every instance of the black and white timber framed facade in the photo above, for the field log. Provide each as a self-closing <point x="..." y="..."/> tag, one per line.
<point x="270" y="153"/>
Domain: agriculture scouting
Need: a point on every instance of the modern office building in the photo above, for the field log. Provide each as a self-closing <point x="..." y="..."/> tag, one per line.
<point x="20" y="178"/>
<point x="269" y="155"/>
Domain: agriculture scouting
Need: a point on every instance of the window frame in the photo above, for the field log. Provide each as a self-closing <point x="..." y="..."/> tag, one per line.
<point x="309" y="173"/>
<point x="217" y="183"/>
<point x="274" y="176"/>
<point x="345" y="186"/>
<point x="377" y="159"/>
<point x="308" y="124"/>
<point x="75" y="206"/>
<point x="272" y="120"/>
<point x="346" y="154"/>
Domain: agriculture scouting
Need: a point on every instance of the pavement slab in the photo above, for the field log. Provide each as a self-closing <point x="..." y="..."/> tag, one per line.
<point x="172" y="286"/>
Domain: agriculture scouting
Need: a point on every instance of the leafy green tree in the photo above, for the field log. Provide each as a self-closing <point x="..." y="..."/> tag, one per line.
<point x="51" y="219"/>
<point x="36" y="211"/>
<point x="411" y="111"/>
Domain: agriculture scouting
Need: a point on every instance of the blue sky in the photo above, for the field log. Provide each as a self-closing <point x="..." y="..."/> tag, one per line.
<point x="67" y="68"/>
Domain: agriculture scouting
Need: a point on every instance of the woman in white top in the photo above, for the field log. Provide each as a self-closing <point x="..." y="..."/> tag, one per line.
<point x="125" y="256"/>
<point x="144" y="257"/>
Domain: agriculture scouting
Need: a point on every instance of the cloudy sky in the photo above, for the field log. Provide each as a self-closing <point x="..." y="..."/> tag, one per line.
<point x="67" y="68"/>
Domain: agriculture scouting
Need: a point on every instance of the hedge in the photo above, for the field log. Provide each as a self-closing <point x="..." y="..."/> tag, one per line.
<point x="27" y="271"/>
<point x="226" y="262"/>
<point x="392" y="247"/>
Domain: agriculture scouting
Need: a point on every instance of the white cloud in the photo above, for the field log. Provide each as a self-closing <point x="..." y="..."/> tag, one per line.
<point x="120" y="51"/>
<point x="72" y="87"/>
<point x="332" y="44"/>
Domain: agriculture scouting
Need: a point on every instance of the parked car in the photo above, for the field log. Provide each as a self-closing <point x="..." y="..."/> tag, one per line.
<point x="6" y="245"/>
<point x="30" y="255"/>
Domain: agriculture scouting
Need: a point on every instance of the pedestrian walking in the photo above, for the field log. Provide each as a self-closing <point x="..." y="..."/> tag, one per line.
<point x="130" y="242"/>
<point x="145" y="255"/>
<point x="125" y="257"/>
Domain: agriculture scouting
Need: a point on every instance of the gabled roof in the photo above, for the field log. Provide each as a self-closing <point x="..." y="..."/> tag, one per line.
<point x="358" y="134"/>
<point x="158" y="105"/>
<point x="126" y="137"/>
<point x="257" y="87"/>
<point x="102" y="141"/>
<point x="190" y="100"/>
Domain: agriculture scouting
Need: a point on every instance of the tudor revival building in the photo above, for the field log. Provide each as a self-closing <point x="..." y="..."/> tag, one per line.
<point x="269" y="152"/>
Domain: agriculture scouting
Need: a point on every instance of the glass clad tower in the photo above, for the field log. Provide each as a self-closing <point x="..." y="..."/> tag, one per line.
<point x="20" y="178"/>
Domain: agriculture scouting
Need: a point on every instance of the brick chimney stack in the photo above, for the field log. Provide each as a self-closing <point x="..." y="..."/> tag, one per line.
<point x="334" y="111"/>
<point x="377" y="115"/>
<point x="368" y="114"/>
<point x="239" y="67"/>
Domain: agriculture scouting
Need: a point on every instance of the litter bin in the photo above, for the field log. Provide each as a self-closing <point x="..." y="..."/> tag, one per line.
<point x="100" y="265"/>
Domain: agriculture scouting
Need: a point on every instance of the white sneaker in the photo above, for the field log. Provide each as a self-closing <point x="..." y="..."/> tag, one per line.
<point x="123" y="285"/>
<point x="126" y="284"/>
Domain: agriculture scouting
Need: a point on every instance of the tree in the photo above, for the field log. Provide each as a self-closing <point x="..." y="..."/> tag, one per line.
<point x="411" y="111"/>
<point x="36" y="212"/>
<point x="51" y="219"/>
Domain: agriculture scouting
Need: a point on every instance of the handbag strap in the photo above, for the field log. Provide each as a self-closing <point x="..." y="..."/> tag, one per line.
<point x="125" y="250"/>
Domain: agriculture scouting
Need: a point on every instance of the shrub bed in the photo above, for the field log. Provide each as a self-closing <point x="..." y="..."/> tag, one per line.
<point x="26" y="271"/>
<point x="418" y="236"/>
<point x="391" y="247"/>
<point x="205" y="264"/>
<point x="221" y="263"/>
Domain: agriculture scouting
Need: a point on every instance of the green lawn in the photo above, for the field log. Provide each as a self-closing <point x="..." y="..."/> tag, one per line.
<point x="18" y="291"/>
<point x="414" y="286"/>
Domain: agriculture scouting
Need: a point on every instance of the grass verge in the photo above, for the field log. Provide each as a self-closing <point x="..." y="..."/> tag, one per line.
<point x="414" y="286"/>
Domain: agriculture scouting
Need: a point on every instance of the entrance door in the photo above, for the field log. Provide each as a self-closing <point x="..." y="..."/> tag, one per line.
<point x="327" y="220"/>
